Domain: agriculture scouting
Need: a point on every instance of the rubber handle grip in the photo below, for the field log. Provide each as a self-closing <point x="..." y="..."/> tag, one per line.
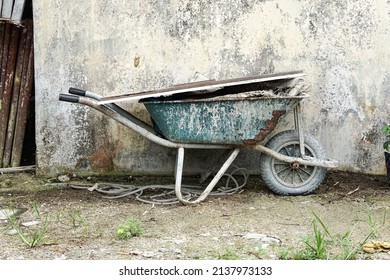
<point x="69" y="98"/>
<point x="77" y="91"/>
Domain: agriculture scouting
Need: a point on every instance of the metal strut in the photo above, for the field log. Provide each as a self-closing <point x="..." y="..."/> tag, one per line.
<point x="209" y="188"/>
<point x="298" y="126"/>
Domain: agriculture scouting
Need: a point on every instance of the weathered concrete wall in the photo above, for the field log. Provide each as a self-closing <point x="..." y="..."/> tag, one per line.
<point x="341" y="45"/>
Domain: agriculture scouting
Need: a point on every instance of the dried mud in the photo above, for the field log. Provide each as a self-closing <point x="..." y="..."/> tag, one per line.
<point x="83" y="224"/>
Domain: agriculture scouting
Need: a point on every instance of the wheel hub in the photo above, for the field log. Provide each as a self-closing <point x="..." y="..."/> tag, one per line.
<point x="295" y="165"/>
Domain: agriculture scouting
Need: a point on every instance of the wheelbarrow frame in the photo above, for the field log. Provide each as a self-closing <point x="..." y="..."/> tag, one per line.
<point x="122" y="116"/>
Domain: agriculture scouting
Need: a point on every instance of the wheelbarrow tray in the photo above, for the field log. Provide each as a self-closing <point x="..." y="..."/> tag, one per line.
<point x="219" y="120"/>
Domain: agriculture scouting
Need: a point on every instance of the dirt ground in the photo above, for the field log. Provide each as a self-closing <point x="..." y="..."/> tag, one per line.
<point x="252" y="224"/>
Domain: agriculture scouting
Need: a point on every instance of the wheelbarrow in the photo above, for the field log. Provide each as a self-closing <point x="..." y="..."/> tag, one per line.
<point x="233" y="115"/>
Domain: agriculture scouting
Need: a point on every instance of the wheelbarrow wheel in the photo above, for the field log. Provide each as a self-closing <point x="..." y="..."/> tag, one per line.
<point x="292" y="178"/>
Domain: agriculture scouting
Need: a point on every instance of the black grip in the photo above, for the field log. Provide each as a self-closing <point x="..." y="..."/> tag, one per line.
<point x="69" y="98"/>
<point x="77" y="91"/>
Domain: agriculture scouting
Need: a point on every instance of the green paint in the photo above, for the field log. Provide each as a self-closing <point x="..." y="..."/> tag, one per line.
<point x="218" y="122"/>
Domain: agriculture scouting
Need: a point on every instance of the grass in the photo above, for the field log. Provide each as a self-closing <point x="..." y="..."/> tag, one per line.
<point x="228" y="255"/>
<point x="316" y="245"/>
<point x="36" y="209"/>
<point x="76" y="218"/>
<point x="323" y="245"/>
<point x="30" y="236"/>
<point x="259" y="250"/>
<point x="35" y="235"/>
<point x="130" y="228"/>
<point x="375" y="225"/>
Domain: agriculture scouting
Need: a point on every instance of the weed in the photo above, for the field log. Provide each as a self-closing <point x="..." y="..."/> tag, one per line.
<point x="30" y="237"/>
<point x="228" y="255"/>
<point x="35" y="207"/>
<point x="324" y="246"/>
<point x="35" y="236"/>
<point x="76" y="219"/>
<point x="348" y="252"/>
<point x="316" y="247"/>
<point x="284" y="253"/>
<point x="377" y="224"/>
<point x="58" y="217"/>
<point x="259" y="250"/>
<point x="353" y="253"/>
<point x="372" y="223"/>
<point x="386" y="131"/>
<point x="130" y="228"/>
<point x="384" y="217"/>
<point x="86" y="229"/>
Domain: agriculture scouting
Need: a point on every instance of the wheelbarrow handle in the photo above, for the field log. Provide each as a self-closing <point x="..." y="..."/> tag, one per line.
<point x="69" y="98"/>
<point x="77" y="91"/>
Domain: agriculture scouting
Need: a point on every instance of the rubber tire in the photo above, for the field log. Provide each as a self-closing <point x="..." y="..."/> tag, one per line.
<point x="277" y="184"/>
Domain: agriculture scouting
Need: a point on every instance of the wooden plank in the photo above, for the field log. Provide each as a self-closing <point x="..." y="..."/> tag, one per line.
<point x="6" y="12"/>
<point x="17" y="11"/>
<point x="3" y="98"/>
<point x="24" y="99"/>
<point x="8" y="83"/>
<point x="17" y="169"/>
<point x="4" y="50"/>
<point x="204" y="87"/>
<point x="22" y="50"/>
<point x="2" y="32"/>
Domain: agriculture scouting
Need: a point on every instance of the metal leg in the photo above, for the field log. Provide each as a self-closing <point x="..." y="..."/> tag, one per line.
<point x="179" y="172"/>
<point x="298" y="126"/>
<point x="209" y="188"/>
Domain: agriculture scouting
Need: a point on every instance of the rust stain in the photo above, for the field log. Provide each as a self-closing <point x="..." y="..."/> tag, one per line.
<point x="269" y="126"/>
<point x="100" y="160"/>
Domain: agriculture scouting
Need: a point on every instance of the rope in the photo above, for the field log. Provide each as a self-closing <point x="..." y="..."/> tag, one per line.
<point x="116" y="191"/>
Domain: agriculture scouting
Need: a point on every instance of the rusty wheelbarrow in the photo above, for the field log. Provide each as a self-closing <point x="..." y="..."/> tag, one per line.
<point x="233" y="115"/>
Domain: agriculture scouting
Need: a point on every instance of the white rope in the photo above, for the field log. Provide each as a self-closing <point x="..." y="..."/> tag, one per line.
<point x="116" y="191"/>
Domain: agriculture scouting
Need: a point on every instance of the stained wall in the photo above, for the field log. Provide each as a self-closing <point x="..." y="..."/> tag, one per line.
<point x="114" y="47"/>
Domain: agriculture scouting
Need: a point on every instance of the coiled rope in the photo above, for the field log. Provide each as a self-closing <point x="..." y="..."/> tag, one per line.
<point x="167" y="197"/>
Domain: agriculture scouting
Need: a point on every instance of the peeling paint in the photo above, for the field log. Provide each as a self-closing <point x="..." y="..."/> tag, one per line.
<point x="270" y="125"/>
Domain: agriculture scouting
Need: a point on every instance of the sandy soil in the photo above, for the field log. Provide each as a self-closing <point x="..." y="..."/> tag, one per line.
<point x="253" y="224"/>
